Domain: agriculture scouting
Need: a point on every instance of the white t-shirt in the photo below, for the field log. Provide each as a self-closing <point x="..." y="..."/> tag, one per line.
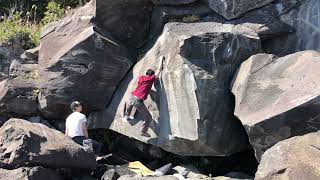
<point x="74" y="124"/>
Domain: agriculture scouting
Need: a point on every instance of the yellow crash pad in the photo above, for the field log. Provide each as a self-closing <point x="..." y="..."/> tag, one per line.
<point x="139" y="168"/>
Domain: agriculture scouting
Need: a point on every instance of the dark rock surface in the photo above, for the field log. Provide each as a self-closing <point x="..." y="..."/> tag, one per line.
<point x="164" y="14"/>
<point x="278" y="98"/>
<point x="79" y="61"/>
<point x="133" y="150"/>
<point x="24" y="143"/>
<point x="191" y="103"/>
<point x="3" y="118"/>
<point x="292" y="159"/>
<point x="231" y="9"/>
<point x="84" y="177"/>
<point x="265" y="20"/>
<point x="173" y="2"/>
<point x="127" y="177"/>
<point x="305" y="22"/>
<point x="127" y="21"/>
<point x="26" y="173"/>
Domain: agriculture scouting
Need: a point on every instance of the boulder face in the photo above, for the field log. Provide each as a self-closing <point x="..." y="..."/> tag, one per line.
<point x="291" y="159"/>
<point x="78" y="61"/>
<point x="18" y="93"/>
<point x="231" y="9"/>
<point x="277" y="98"/>
<point x="24" y="143"/>
<point x="131" y="19"/>
<point x="25" y="173"/>
<point x="191" y="104"/>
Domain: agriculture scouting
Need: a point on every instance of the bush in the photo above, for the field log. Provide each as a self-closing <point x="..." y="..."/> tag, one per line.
<point x="54" y="12"/>
<point x="190" y="19"/>
<point x="21" y="29"/>
<point x="71" y="3"/>
<point x="15" y="32"/>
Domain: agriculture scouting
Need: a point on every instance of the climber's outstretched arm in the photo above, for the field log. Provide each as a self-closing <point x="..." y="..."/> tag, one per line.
<point x="160" y="68"/>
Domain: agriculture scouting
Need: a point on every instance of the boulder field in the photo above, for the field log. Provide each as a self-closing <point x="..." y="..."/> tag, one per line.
<point x="239" y="76"/>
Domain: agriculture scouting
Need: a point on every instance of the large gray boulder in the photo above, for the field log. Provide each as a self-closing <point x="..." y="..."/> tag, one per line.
<point x="292" y="159"/>
<point x="231" y="9"/>
<point x="18" y="93"/>
<point x="26" y="173"/>
<point x="277" y="98"/>
<point x="79" y="61"/>
<point x="31" y="144"/>
<point x="191" y="104"/>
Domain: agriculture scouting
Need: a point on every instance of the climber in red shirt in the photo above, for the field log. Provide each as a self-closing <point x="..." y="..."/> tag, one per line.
<point x="141" y="93"/>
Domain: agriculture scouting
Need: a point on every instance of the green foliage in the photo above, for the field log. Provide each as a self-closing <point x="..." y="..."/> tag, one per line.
<point x="22" y="29"/>
<point x="24" y="6"/>
<point x="190" y="19"/>
<point x="15" y="32"/>
<point x="54" y="12"/>
<point x="24" y="19"/>
<point x="71" y="3"/>
<point x="31" y="75"/>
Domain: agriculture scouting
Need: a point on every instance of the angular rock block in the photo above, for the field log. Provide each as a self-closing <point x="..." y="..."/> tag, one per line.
<point x="278" y="98"/>
<point x="191" y="103"/>
<point x="294" y="158"/>
<point x="7" y="54"/>
<point x="18" y="93"/>
<point x="79" y="61"/>
<point x="26" y="173"/>
<point x="231" y="9"/>
<point x="30" y="56"/>
<point x="32" y="144"/>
